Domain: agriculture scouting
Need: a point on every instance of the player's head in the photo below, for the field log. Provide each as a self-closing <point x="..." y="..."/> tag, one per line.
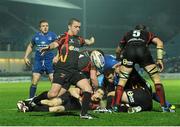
<point x="43" y="26"/>
<point x="140" y="27"/>
<point x="97" y="58"/>
<point x="109" y="75"/>
<point x="98" y="95"/>
<point x="74" y="26"/>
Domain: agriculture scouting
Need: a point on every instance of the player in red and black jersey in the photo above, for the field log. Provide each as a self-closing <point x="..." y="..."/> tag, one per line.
<point x="134" y="49"/>
<point x="66" y="69"/>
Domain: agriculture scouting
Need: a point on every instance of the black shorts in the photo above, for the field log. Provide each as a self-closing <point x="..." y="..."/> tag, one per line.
<point x="136" y="53"/>
<point x="72" y="104"/>
<point x="139" y="97"/>
<point x="66" y="78"/>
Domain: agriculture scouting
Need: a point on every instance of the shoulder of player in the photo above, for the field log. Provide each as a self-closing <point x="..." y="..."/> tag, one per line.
<point x="51" y="33"/>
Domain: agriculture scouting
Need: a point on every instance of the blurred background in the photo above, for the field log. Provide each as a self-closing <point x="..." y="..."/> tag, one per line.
<point x="106" y="20"/>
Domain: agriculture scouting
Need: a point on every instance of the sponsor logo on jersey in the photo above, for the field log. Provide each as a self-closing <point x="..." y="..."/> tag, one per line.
<point x="73" y="48"/>
<point x="49" y="38"/>
<point x="130" y="95"/>
<point x="71" y="41"/>
<point x="126" y="62"/>
<point x="43" y="42"/>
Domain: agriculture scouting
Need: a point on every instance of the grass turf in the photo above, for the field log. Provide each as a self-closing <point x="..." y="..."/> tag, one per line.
<point x="10" y="93"/>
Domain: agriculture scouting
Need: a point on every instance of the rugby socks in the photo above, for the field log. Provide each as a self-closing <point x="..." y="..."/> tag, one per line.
<point x="110" y="102"/>
<point x="118" y="94"/>
<point x="156" y="98"/>
<point x="160" y="93"/>
<point x="32" y="90"/>
<point x="85" y="103"/>
<point x="42" y="96"/>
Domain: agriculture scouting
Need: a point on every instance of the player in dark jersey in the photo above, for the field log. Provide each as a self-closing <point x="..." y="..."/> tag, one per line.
<point x="41" y="63"/>
<point x="134" y="49"/>
<point x="71" y="100"/>
<point x="66" y="69"/>
<point x="137" y="92"/>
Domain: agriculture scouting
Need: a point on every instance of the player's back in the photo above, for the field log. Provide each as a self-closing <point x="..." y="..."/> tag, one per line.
<point x="137" y="37"/>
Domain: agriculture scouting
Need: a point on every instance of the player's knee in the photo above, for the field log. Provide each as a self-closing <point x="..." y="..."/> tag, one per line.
<point x="52" y="94"/>
<point x="124" y="75"/>
<point x="152" y="70"/>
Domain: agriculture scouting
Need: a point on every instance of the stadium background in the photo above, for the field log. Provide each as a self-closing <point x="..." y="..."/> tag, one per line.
<point x="106" y="20"/>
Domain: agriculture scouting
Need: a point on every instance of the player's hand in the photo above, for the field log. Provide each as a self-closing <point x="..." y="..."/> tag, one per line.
<point x="160" y="65"/>
<point x="27" y="61"/>
<point x="92" y="39"/>
<point x="55" y="60"/>
<point x="44" y="49"/>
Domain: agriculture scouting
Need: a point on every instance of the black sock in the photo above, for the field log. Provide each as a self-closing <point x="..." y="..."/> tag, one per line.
<point x="43" y="108"/>
<point x="110" y="101"/>
<point x="42" y="96"/>
<point x="85" y="102"/>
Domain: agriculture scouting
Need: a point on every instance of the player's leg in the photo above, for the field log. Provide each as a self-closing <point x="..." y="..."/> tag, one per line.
<point x="53" y="92"/>
<point x="35" y="79"/>
<point x="124" y="75"/>
<point x="60" y="108"/>
<point x="49" y="69"/>
<point x="87" y="90"/>
<point x="50" y="76"/>
<point x="154" y="74"/>
<point x="36" y="75"/>
<point x="52" y="102"/>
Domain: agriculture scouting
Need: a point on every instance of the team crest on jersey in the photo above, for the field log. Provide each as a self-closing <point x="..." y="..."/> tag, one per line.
<point x="49" y="38"/>
<point x="36" y="38"/>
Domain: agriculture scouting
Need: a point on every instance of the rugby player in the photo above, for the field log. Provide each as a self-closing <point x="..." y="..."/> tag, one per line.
<point x="71" y="100"/>
<point x="134" y="49"/>
<point x="42" y="63"/>
<point x="66" y="69"/>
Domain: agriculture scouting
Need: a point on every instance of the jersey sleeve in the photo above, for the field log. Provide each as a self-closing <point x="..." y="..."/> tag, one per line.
<point x="122" y="42"/>
<point x="82" y="41"/>
<point x="60" y="40"/>
<point x="54" y="37"/>
<point x="33" y="40"/>
<point x="150" y="37"/>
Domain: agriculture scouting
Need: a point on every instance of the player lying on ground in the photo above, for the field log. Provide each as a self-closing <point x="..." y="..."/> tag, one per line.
<point x="71" y="100"/>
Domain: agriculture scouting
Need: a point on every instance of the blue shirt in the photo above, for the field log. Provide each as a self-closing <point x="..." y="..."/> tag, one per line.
<point x="40" y="40"/>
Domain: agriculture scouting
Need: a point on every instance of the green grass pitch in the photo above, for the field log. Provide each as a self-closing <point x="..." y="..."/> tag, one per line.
<point x="10" y="93"/>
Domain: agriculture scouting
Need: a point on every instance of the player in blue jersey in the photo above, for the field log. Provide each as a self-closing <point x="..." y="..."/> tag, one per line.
<point x="42" y="63"/>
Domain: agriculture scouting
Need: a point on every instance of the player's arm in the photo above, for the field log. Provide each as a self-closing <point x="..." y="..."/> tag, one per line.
<point x="118" y="52"/>
<point x="51" y="46"/>
<point x="56" y="58"/>
<point x="90" y="41"/>
<point x="27" y="53"/>
<point x="120" y="47"/>
<point x="93" y="77"/>
<point x="160" y="52"/>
